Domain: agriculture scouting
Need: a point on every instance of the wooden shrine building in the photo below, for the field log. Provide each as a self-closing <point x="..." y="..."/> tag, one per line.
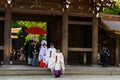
<point x="71" y="24"/>
<point x="111" y="37"/>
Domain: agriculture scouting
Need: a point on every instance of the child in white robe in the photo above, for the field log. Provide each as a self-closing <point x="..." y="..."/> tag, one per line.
<point x="58" y="64"/>
<point x="42" y="56"/>
<point x="50" y="56"/>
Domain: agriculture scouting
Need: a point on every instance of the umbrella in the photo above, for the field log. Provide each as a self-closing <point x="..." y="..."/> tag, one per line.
<point x="35" y="30"/>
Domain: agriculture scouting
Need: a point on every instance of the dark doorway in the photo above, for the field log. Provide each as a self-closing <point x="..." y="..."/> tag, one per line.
<point x="105" y="39"/>
<point x="1" y="40"/>
<point x="80" y="36"/>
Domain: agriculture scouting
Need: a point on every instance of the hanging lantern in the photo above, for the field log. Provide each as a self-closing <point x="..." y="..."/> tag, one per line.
<point x="9" y="1"/>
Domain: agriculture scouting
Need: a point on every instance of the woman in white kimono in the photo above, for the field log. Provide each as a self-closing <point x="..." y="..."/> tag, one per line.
<point x="50" y="56"/>
<point x="42" y="56"/>
<point x="58" y="64"/>
<point x="43" y="42"/>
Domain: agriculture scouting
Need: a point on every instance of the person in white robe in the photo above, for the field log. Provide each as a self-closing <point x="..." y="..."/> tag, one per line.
<point x="42" y="56"/>
<point x="50" y="56"/>
<point x="58" y="64"/>
<point x="43" y="42"/>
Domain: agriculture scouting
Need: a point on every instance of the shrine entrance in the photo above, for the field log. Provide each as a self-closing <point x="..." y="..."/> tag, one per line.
<point x="79" y="39"/>
<point x="72" y="27"/>
<point x="54" y="29"/>
<point x="80" y="33"/>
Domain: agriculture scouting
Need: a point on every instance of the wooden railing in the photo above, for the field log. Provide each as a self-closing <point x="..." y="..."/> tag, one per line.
<point x="79" y="49"/>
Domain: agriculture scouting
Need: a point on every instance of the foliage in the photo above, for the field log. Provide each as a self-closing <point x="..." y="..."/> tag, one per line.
<point x="118" y="3"/>
<point x="27" y="24"/>
<point x="114" y="9"/>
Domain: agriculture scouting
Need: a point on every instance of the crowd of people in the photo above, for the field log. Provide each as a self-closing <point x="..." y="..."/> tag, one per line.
<point x="37" y="54"/>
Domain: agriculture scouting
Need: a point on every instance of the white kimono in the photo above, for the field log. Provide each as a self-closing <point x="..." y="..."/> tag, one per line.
<point x="43" y="42"/>
<point x="42" y="54"/>
<point x="59" y="62"/>
<point x="50" y="57"/>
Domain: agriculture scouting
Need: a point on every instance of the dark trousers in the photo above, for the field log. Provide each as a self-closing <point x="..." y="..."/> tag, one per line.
<point x="35" y="60"/>
<point x="104" y="60"/>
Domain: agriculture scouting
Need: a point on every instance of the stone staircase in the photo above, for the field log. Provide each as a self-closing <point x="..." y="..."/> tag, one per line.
<point x="6" y="70"/>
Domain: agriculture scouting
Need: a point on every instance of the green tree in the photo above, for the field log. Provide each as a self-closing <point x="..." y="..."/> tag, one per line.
<point x="114" y="9"/>
<point x="118" y="3"/>
<point x="28" y="24"/>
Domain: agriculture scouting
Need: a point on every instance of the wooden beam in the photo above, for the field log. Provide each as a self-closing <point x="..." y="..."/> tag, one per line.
<point x="117" y="52"/>
<point x="117" y="32"/>
<point x="109" y="17"/>
<point x="80" y="23"/>
<point x="34" y="1"/>
<point x="65" y="35"/>
<point x="80" y="15"/>
<point x="18" y="10"/>
<point x="80" y="49"/>
<point x="31" y="11"/>
<point x="7" y="36"/>
<point x="2" y="18"/>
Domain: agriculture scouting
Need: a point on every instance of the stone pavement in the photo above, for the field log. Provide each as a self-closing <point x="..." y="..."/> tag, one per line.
<point x="64" y="77"/>
<point x="83" y="75"/>
<point x="23" y="70"/>
<point x="67" y="66"/>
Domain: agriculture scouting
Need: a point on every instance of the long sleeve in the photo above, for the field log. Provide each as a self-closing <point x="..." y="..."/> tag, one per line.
<point x="59" y="62"/>
<point x="40" y="54"/>
<point x="62" y="62"/>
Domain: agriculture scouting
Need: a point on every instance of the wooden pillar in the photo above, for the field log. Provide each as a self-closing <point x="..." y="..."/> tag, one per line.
<point x="117" y="52"/>
<point x="85" y="58"/>
<point x="7" y="36"/>
<point x="94" y="40"/>
<point x="65" y="35"/>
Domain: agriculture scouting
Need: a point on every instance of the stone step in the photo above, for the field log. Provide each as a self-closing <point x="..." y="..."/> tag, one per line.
<point x="15" y="70"/>
<point x="24" y="72"/>
<point x="18" y="62"/>
<point x="93" y="71"/>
